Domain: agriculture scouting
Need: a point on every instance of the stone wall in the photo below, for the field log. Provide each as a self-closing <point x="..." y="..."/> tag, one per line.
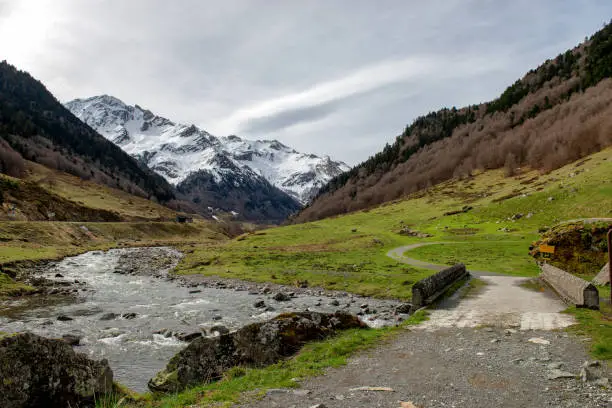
<point x="429" y="289"/>
<point x="571" y="288"/>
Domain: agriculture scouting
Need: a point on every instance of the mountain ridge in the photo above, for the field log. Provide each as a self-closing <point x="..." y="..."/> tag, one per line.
<point x="175" y="150"/>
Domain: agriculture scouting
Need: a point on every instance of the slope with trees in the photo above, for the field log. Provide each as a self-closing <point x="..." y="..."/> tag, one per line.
<point x="555" y="114"/>
<point x="35" y="126"/>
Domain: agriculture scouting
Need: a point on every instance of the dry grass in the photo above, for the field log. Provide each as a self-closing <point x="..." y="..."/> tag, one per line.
<point x="97" y="196"/>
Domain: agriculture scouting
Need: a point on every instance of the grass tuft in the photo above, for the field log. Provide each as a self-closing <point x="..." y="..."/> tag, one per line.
<point x="595" y="325"/>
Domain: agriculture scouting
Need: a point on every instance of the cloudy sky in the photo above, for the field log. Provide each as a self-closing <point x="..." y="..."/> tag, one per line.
<point x="338" y="77"/>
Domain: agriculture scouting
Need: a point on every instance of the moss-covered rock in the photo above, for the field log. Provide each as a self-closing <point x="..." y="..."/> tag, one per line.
<point x="40" y="372"/>
<point x="255" y="345"/>
<point x="580" y="248"/>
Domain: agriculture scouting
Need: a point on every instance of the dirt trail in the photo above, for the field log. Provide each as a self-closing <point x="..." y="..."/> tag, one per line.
<point x="502" y="302"/>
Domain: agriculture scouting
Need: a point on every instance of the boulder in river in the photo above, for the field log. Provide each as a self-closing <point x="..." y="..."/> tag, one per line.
<point x="219" y="330"/>
<point x="165" y="332"/>
<point x="255" y="345"/>
<point x="187" y="337"/>
<point x="404" y="308"/>
<point x="72" y="339"/>
<point x="40" y="372"/>
<point x="281" y="297"/>
<point x="109" y="316"/>
<point x="258" y="304"/>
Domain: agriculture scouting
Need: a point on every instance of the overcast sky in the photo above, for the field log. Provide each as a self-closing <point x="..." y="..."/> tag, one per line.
<point x="337" y="77"/>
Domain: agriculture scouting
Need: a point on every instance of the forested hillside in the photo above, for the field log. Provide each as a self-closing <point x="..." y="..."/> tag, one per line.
<point x="555" y="114"/>
<point x="35" y="126"/>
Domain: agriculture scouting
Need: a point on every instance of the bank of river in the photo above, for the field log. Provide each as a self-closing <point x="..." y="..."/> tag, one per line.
<point x="123" y="306"/>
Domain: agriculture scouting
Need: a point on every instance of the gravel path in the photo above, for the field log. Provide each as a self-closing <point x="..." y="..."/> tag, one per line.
<point x="494" y="349"/>
<point x="454" y="368"/>
<point x="502" y="303"/>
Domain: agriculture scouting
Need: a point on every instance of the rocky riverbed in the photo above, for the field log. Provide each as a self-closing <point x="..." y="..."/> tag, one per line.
<point x="125" y="306"/>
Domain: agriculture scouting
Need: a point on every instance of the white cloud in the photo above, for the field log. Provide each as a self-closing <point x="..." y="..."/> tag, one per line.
<point x="339" y="78"/>
<point x="412" y="71"/>
<point x="23" y="29"/>
<point x="360" y="81"/>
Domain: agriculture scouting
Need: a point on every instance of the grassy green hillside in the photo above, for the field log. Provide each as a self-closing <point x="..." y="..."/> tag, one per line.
<point x="349" y="252"/>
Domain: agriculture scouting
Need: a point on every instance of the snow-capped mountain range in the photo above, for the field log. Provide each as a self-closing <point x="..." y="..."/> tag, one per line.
<point x="178" y="151"/>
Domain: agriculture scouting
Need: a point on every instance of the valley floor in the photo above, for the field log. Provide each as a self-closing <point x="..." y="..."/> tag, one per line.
<point x="487" y="221"/>
<point x="499" y="341"/>
<point x="495" y="344"/>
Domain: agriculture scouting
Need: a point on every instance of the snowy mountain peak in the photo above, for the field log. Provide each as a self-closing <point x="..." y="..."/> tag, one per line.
<point x="177" y="150"/>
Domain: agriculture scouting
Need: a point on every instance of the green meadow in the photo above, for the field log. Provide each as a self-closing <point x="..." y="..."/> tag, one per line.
<point x="503" y="216"/>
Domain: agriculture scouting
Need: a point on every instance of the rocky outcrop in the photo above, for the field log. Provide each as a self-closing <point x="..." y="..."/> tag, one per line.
<point x="412" y="233"/>
<point x="40" y="372"/>
<point x="255" y="345"/>
<point x="579" y="247"/>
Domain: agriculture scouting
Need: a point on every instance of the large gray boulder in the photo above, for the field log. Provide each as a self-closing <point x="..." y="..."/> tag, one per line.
<point x="255" y="345"/>
<point x="40" y="372"/>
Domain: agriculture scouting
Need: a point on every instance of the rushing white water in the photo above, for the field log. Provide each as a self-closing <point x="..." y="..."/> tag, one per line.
<point x="134" y="350"/>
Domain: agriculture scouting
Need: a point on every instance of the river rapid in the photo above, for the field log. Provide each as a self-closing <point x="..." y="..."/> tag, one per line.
<point x="125" y="307"/>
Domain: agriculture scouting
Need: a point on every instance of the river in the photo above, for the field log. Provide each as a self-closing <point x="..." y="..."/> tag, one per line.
<point x="117" y="311"/>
